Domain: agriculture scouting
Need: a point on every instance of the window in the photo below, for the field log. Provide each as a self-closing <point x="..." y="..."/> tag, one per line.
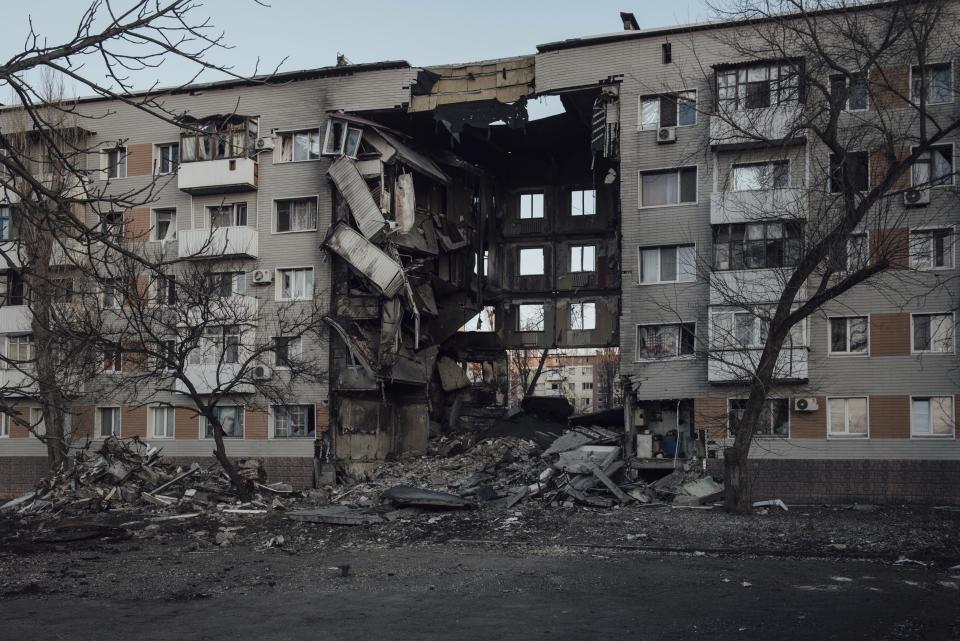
<point x="756" y="245"/>
<point x="758" y="86"/>
<point x="933" y="333"/>
<point x="530" y="317"/>
<point x="852" y="255"/>
<point x="531" y="261"/>
<point x="665" y="341"/>
<point x="164" y="224"/>
<point x="167" y="357"/>
<point x="748" y="330"/>
<point x="21" y="349"/>
<point x="669" y="187"/>
<point x="233" y="215"/>
<point x="587" y="371"/>
<point x="113" y="359"/>
<point x="931" y="248"/>
<point x="670" y="264"/>
<point x="586" y="386"/>
<point x="666" y="53"/>
<point x="531" y="206"/>
<point x="161" y="420"/>
<point x="583" y="316"/>
<point x="219" y="137"/>
<point x="296" y="284"/>
<point x="296" y="146"/>
<point x="849" y="335"/>
<point x="14" y="288"/>
<point x="761" y="175"/>
<point x="931" y="416"/>
<point x="296" y="214"/>
<point x="341" y="139"/>
<point x="108" y="422"/>
<point x="933" y="168"/>
<point x="583" y="258"/>
<point x="6" y="223"/>
<point x="231" y="422"/>
<point x="668" y="110"/>
<point x="853" y="168"/>
<point x="934" y="84"/>
<point x="168" y="158"/>
<point x="165" y="289"/>
<point x="111" y="225"/>
<point x="218" y="344"/>
<point x="287" y="349"/>
<point x="227" y="284"/>
<point x="847" y="417"/>
<point x="37" y="423"/>
<point x="4" y="425"/>
<point x="583" y="202"/>
<point x="63" y="290"/>
<point x="113" y="294"/>
<point x="116" y="162"/>
<point x="292" y="421"/>
<point x="774" y="419"/>
<point x="854" y="90"/>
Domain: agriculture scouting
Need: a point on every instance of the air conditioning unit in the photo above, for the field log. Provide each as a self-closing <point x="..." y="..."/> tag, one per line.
<point x="808" y="404"/>
<point x="666" y="135"/>
<point x="916" y="197"/>
<point x="262" y="276"/>
<point x="265" y="143"/>
<point x="261" y="373"/>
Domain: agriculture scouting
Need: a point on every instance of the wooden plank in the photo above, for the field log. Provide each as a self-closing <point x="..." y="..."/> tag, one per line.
<point x="613" y="487"/>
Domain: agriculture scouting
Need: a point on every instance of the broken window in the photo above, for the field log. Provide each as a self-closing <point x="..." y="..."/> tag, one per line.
<point x="108" y="421"/>
<point x="774" y="419"/>
<point x="168" y="158"/>
<point x="931" y="248"/>
<point x="758" y="86"/>
<point x="583" y="258"/>
<point x="854" y="89"/>
<point x="932" y="416"/>
<point x="774" y="174"/>
<point x="583" y="202"/>
<point x="218" y="138"/>
<point x="161" y="420"/>
<point x="287" y="349"/>
<point x="934" y="83"/>
<point x="933" y="168"/>
<point x="849" y="335"/>
<point x="531" y="206"/>
<point x="296" y="214"/>
<point x="115" y="162"/>
<point x="853" y="167"/>
<point x="665" y="341"/>
<point x="933" y="333"/>
<point x="668" y="110"/>
<point x="530" y="317"/>
<point x="341" y="140"/>
<point x="484" y="321"/>
<point x="668" y="187"/>
<point x="232" y="215"/>
<point x="295" y="284"/>
<point x="296" y="146"/>
<point x="583" y="316"/>
<point x="292" y="421"/>
<point x="531" y="261"/>
<point x="668" y="264"/>
<point x="847" y="417"/>
<point x="231" y="421"/>
<point x="164" y="224"/>
<point x="756" y="245"/>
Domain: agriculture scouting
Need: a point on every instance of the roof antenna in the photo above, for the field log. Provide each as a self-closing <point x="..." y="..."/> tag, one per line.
<point x="342" y="60"/>
<point x="629" y="21"/>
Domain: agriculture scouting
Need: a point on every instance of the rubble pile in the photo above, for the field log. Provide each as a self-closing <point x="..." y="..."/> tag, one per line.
<point x="129" y="473"/>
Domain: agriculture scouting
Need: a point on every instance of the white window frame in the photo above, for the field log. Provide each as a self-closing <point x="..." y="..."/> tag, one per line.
<point x="848" y="258"/>
<point x="953" y="408"/>
<point x="202" y="420"/>
<point x="158" y="159"/>
<point x="279" y="284"/>
<point x="953" y="167"/>
<point x="151" y="421"/>
<point x="769" y="163"/>
<point x="657" y="96"/>
<point x="276" y="212"/>
<point x="98" y="421"/>
<point x="543" y="318"/>
<point x="846" y="434"/>
<point x="278" y="149"/>
<point x="729" y="435"/>
<point x="32" y="347"/>
<point x="574" y="249"/>
<point x="4" y="426"/>
<point x="848" y="353"/>
<point x="532" y="195"/>
<point x="543" y="260"/>
<point x="105" y="162"/>
<point x="153" y="224"/>
<point x="659" y="249"/>
<point x="931" y="228"/>
<point x="676" y="170"/>
<point x="678" y="357"/>
<point x="273" y="422"/>
<point x="953" y="337"/>
<point x="583" y="195"/>
<point x="233" y="214"/>
<point x="582" y="305"/>
<point x="915" y="99"/>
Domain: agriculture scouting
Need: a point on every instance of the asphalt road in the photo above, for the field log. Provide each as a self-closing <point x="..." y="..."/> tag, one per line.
<point x="448" y="592"/>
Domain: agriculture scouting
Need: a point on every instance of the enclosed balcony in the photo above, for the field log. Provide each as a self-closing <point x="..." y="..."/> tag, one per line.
<point x="737" y="128"/>
<point x="217" y="154"/>
<point x="749" y="286"/>
<point x="758" y="204"/>
<point x="218" y="242"/>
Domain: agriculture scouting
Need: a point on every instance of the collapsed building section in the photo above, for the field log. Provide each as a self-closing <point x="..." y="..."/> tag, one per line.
<point x="457" y="203"/>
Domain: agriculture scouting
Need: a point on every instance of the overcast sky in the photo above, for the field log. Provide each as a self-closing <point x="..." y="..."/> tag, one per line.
<point x="310" y="34"/>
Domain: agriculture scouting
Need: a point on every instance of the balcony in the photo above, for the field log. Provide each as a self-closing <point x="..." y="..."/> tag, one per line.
<point x="737" y="365"/>
<point x="15" y="382"/>
<point x="219" y="242"/>
<point x="207" y="377"/>
<point x="220" y="176"/>
<point x="761" y="204"/>
<point x="754" y="127"/>
<point x="15" y="319"/>
<point x="749" y="286"/>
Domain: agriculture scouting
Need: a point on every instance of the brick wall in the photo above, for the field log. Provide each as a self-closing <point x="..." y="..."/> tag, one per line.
<point x="139" y="160"/>
<point x="889" y="416"/>
<point x="890" y="334"/>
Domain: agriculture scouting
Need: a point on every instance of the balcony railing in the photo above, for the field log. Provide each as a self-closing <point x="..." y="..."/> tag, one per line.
<point x="737" y="365"/>
<point x="207" y="377"/>
<point x="760" y="204"/>
<point x="218" y="242"/>
<point x="218" y="176"/>
<point x="14" y="319"/>
<point x="749" y="286"/>
<point x="745" y="127"/>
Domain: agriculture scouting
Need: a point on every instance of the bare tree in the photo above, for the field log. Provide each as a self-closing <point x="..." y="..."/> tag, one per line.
<point x="607" y="370"/>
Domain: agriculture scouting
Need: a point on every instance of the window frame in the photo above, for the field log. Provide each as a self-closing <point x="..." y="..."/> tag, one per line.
<point x="953" y="337"/>
<point x="276" y="212"/>
<point x="679" y="355"/>
<point x="583" y="193"/>
<point x="953" y="408"/>
<point x="784" y="238"/>
<point x="151" y="421"/>
<point x="121" y="162"/>
<point x="312" y="413"/>
<point x="582" y="304"/>
<point x="769" y="164"/>
<point x="581" y="248"/>
<point x="769" y="399"/>
<point x="847" y="84"/>
<point x="660" y="249"/>
<point x="543" y="260"/>
<point x="930" y="183"/>
<point x="659" y="98"/>
<point x="311" y="290"/>
<point x="202" y="420"/>
<point x="31" y="347"/>
<point x="292" y="133"/>
<point x="6" y="223"/>
<point x="112" y="360"/>
<point x="867" y="172"/>
<point x="666" y="170"/>
<point x="846" y="434"/>
<point x="158" y="158"/>
<point x="739" y="96"/>
<point x="532" y="194"/>
<point x="847" y="352"/>
<point x="5" y="425"/>
<point x="289" y="341"/>
<point x="154" y="225"/>
<point x="234" y="214"/>
<point x="543" y="318"/>
<point x="949" y="64"/>
<point x="98" y="422"/>
<point x="930" y="229"/>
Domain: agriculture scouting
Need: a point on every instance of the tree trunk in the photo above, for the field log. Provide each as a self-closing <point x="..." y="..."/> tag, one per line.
<point x="737" y="483"/>
<point x="241" y="485"/>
